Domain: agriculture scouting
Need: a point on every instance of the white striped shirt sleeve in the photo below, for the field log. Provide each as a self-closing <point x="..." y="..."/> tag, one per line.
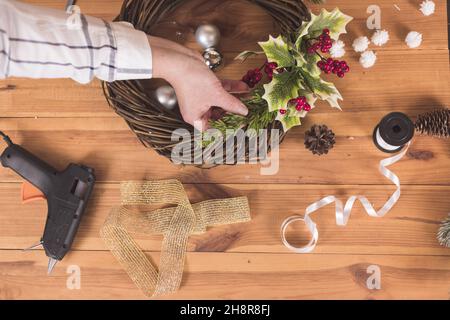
<point x="36" y="42"/>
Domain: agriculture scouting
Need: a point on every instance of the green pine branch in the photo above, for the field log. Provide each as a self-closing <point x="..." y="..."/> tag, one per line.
<point x="259" y="116"/>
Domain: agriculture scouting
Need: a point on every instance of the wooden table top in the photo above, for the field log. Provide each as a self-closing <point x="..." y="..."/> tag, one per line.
<point x="62" y="121"/>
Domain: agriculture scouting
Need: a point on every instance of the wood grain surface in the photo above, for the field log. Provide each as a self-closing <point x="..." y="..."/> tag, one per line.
<point x="234" y="276"/>
<point x="62" y="122"/>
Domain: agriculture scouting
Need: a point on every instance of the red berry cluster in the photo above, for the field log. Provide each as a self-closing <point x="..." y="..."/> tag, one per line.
<point x="300" y="104"/>
<point x="269" y="68"/>
<point x="334" y="66"/>
<point x="323" y="43"/>
<point x="253" y="77"/>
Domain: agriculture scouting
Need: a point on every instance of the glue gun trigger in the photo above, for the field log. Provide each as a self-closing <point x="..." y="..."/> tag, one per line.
<point x="30" y="193"/>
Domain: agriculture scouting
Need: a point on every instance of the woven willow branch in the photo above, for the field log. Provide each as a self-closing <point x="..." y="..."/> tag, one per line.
<point x="152" y="123"/>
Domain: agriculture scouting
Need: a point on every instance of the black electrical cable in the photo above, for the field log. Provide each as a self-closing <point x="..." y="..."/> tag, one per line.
<point x="6" y="138"/>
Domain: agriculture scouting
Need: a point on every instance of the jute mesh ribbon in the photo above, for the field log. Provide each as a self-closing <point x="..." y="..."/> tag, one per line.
<point x="175" y="223"/>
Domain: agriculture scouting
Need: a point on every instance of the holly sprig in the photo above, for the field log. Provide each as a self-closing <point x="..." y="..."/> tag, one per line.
<point x="293" y="72"/>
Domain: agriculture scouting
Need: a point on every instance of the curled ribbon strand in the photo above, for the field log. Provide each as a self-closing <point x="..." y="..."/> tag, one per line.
<point x="343" y="212"/>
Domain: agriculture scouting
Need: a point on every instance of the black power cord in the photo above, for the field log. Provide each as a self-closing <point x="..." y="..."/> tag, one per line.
<point x="6" y="138"/>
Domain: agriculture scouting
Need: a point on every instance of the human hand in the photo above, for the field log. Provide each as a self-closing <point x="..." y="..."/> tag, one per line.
<point x="197" y="87"/>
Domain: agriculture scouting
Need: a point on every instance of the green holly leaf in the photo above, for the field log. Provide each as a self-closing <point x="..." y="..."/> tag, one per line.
<point x="247" y="54"/>
<point x="333" y="100"/>
<point x="311" y="65"/>
<point x="277" y="50"/>
<point x="326" y="91"/>
<point x="302" y="31"/>
<point x="283" y="87"/>
<point x="300" y="59"/>
<point x="289" y="121"/>
<point x="335" y="21"/>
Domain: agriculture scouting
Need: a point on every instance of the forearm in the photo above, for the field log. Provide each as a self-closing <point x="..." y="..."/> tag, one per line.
<point x="35" y="42"/>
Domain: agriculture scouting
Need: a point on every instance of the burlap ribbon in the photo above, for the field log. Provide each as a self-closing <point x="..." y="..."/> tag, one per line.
<point x="175" y="223"/>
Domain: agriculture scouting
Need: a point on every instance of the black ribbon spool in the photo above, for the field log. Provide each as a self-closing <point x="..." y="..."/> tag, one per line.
<point x="396" y="130"/>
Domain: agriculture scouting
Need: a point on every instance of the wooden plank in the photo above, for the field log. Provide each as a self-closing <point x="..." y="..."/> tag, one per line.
<point x="410" y="228"/>
<point x="409" y="81"/>
<point x="233" y="276"/>
<point x="243" y="24"/>
<point x="112" y="149"/>
<point x="65" y="122"/>
<point x="402" y="77"/>
<point x="52" y="98"/>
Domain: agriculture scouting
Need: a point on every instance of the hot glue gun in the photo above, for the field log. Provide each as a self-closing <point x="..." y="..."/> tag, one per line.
<point x="67" y="194"/>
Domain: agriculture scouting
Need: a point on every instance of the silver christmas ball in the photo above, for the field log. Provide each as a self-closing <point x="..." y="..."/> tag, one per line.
<point x="207" y="36"/>
<point x="166" y="96"/>
<point x="213" y="58"/>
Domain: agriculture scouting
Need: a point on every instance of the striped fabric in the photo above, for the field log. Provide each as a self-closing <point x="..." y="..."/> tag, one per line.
<point x="36" y="42"/>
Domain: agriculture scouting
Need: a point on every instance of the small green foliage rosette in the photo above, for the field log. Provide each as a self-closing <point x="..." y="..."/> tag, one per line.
<point x="297" y="74"/>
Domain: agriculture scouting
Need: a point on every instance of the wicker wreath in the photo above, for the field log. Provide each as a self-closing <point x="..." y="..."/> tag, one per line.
<point x="152" y="123"/>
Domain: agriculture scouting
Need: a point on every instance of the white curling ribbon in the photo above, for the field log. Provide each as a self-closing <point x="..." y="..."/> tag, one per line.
<point x="383" y="144"/>
<point x="343" y="212"/>
<point x="73" y="22"/>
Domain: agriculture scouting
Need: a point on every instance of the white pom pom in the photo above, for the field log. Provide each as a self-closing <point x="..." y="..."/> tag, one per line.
<point x="337" y="50"/>
<point x="338" y="44"/>
<point x="427" y="7"/>
<point x="414" y="39"/>
<point x="361" y="44"/>
<point x="368" y="59"/>
<point x="380" y="37"/>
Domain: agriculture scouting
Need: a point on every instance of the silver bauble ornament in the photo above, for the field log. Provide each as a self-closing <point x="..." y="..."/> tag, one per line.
<point x="207" y="36"/>
<point x="213" y="58"/>
<point x="166" y="96"/>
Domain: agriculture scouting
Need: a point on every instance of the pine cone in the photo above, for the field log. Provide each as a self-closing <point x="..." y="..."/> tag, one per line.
<point x="319" y="139"/>
<point x="436" y="123"/>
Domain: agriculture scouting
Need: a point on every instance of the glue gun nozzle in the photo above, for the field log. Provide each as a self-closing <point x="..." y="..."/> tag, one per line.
<point x="51" y="264"/>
